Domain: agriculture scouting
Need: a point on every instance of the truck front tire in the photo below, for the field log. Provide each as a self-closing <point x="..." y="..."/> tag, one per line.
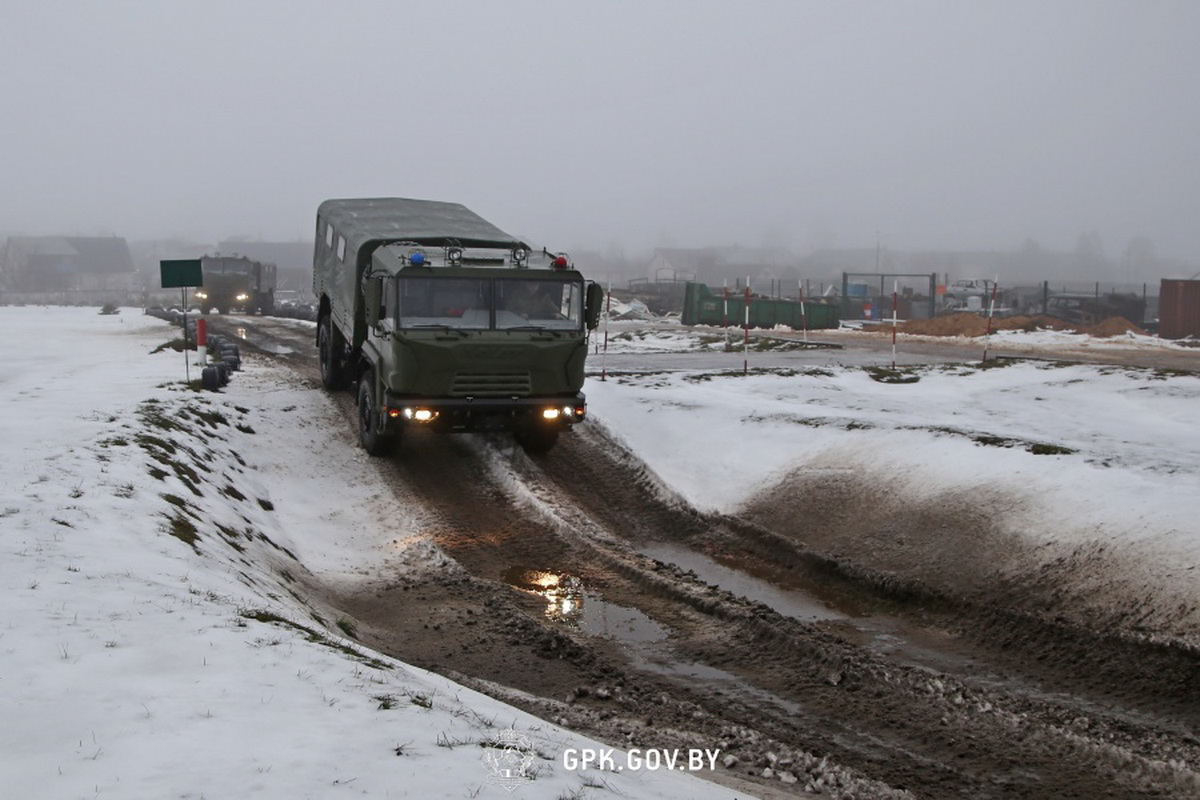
<point x="374" y="442"/>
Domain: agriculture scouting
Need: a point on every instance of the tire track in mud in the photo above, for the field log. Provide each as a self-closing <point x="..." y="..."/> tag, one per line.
<point x="1000" y="617"/>
<point x="738" y="675"/>
<point x="792" y="564"/>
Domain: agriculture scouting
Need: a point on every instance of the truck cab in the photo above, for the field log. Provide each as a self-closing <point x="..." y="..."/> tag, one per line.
<point x="444" y="321"/>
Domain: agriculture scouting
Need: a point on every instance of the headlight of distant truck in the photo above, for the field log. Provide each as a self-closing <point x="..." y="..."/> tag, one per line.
<point x="243" y="297"/>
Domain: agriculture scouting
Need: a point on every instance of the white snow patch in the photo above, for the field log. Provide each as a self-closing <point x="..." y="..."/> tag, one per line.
<point x="139" y="665"/>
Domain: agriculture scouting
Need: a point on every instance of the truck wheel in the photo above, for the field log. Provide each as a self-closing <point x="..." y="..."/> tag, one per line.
<point x="374" y="442"/>
<point x="537" y="439"/>
<point x="329" y="350"/>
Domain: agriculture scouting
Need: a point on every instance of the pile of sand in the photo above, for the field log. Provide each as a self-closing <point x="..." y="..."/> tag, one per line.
<point x="1113" y="326"/>
<point x="971" y="325"/>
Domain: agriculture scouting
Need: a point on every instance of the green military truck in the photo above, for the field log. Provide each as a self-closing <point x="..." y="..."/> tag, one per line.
<point x="233" y="283"/>
<point x="445" y="321"/>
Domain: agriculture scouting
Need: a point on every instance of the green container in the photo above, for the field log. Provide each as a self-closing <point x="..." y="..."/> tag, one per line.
<point x="701" y="306"/>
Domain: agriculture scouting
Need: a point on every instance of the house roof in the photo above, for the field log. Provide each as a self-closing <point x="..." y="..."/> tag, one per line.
<point x="41" y="246"/>
<point x="102" y="254"/>
<point x="87" y="254"/>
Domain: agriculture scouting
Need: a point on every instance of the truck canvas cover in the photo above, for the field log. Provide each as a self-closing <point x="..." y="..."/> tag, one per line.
<point x="373" y="221"/>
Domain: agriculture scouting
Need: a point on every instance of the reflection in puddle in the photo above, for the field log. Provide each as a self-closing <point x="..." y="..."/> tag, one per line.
<point x="563" y="593"/>
<point x="567" y="601"/>
<point x="263" y="342"/>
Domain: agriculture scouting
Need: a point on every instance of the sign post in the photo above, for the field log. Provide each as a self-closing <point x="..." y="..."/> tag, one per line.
<point x="182" y="273"/>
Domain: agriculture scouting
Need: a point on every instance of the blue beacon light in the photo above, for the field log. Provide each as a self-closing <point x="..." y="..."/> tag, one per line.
<point x="417" y="259"/>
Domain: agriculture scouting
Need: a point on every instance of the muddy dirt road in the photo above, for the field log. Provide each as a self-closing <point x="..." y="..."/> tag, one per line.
<point x="580" y="589"/>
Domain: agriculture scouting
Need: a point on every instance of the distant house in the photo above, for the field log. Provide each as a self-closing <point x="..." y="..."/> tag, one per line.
<point x="67" y="263"/>
<point x="716" y="265"/>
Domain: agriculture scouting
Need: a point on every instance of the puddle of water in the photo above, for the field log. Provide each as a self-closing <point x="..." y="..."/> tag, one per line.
<point x="265" y="344"/>
<point x="925" y="649"/>
<point x="567" y="601"/>
<point x="610" y="621"/>
<point x="789" y="602"/>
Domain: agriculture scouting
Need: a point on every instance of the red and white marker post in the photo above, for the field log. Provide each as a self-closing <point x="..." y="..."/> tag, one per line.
<point x="803" y="315"/>
<point x="607" y="317"/>
<point x="987" y="340"/>
<point x="202" y="341"/>
<point x="746" y="336"/>
<point x="895" y="289"/>
<point x="725" y="313"/>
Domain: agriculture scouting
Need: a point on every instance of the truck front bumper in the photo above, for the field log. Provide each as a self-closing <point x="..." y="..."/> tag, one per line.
<point x="486" y="413"/>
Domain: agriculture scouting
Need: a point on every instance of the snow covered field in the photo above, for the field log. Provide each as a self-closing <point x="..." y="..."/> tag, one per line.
<point x="1087" y="472"/>
<point x="157" y="640"/>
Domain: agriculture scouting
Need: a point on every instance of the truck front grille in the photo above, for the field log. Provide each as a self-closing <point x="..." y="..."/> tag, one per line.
<point x="491" y="384"/>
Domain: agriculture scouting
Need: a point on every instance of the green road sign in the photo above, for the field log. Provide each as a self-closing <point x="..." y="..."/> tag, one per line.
<point x="181" y="273"/>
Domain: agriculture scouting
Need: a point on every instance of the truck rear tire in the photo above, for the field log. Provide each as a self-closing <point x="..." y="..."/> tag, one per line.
<point x="329" y="352"/>
<point x="374" y="442"/>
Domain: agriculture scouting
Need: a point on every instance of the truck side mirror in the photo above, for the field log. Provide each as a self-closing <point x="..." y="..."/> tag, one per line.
<point x="593" y="305"/>
<point x="372" y="297"/>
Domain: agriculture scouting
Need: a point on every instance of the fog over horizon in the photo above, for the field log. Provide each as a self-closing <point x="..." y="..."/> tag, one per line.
<point x="613" y="126"/>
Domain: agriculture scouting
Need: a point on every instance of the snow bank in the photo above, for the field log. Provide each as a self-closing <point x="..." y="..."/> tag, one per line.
<point x="158" y="640"/>
<point x="1068" y="463"/>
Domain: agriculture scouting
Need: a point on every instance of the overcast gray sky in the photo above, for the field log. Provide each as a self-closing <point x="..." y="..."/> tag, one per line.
<point x="961" y="124"/>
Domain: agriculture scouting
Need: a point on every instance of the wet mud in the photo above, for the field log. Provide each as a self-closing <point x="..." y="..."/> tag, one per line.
<point x="839" y="656"/>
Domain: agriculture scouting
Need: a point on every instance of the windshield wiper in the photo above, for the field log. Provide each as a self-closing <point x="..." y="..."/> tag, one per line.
<point x="541" y="331"/>
<point x="549" y="328"/>
<point x="441" y="326"/>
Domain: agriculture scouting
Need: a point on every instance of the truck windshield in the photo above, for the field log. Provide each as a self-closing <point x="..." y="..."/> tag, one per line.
<point x="445" y="303"/>
<point x="538" y="303"/>
<point x="490" y="303"/>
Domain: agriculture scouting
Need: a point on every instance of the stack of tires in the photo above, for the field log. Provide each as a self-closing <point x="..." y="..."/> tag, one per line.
<point x="228" y="360"/>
